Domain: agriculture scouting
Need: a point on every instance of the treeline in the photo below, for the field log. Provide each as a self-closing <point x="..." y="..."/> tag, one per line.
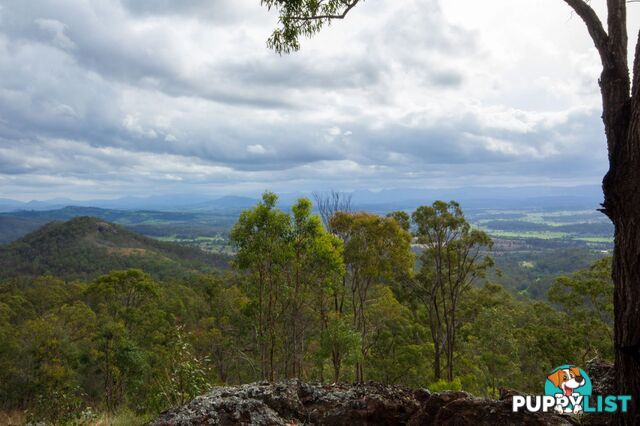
<point x="347" y="297"/>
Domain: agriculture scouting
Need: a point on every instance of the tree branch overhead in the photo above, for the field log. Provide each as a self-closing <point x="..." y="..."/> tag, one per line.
<point x="594" y="26"/>
<point x="304" y="18"/>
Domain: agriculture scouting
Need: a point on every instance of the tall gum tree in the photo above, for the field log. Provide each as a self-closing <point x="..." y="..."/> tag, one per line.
<point x="621" y="185"/>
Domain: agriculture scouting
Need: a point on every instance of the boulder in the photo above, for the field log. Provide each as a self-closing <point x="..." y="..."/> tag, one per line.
<point x="602" y="377"/>
<point x="603" y="382"/>
<point x="296" y="403"/>
<point x="462" y="409"/>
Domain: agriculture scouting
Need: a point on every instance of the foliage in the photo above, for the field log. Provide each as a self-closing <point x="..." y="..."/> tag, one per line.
<point x="186" y="376"/>
<point x="444" y="385"/>
<point x="376" y="251"/>
<point x="292" y="262"/>
<point x="303" y="18"/>
<point x="64" y="407"/>
<point x="587" y="298"/>
<point x="85" y="247"/>
<point x="452" y="260"/>
<point x="302" y="302"/>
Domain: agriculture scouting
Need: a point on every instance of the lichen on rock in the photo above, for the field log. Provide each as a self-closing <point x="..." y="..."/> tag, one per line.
<point x="297" y="403"/>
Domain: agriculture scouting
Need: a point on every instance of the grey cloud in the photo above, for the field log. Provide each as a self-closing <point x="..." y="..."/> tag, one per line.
<point x="100" y="94"/>
<point x="169" y="7"/>
<point x="104" y="42"/>
<point x="447" y="78"/>
<point x="462" y="140"/>
<point x="345" y="71"/>
<point x="448" y="145"/>
<point x="215" y="11"/>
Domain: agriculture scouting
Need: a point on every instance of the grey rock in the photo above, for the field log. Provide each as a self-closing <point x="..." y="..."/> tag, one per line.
<point x="461" y="409"/>
<point x="297" y="403"/>
<point x="603" y="382"/>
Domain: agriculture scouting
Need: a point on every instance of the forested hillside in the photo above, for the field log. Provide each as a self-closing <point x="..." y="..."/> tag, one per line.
<point x="339" y="297"/>
<point x="530" y="273"/>
<point x="151" y="223"/>
<point x="86" y="247"/>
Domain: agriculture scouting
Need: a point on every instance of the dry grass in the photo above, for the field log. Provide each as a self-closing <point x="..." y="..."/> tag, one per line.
<point x="122" y="418"/>
<point x="12" y="418"/>
<point x="126" y="251"/>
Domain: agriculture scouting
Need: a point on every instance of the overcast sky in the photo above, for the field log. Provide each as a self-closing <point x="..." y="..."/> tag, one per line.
<point x="104" y="98"/>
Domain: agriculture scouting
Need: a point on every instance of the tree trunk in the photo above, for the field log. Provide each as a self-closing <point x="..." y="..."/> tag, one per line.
<point x="626" y="273"/>
<point x="337" y="364"/>
<point x="450" y="367"/>
<point x="622" y="204"/>
<point x="436" y="360"/>
<point x="621" y="186"/>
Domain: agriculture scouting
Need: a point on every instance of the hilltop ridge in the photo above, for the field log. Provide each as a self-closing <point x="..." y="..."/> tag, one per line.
<point x="84" y="247"/>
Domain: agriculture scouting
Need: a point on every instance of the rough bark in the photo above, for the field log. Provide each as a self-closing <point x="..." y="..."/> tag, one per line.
<point x="621" y="187"/>
<point x="622" y="204"/>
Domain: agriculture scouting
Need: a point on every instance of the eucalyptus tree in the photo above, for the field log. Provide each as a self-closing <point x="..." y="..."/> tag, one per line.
<point x="316" y="266"/>
<point x="376" y="251"/>
<point x="453" y="257"/>
<point x="620" y="90"/>
<point x="260" y="237"/>
<point x="292" y="262"/>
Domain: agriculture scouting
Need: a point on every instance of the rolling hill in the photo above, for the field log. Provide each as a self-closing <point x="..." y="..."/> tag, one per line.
<point x="85" y="247"/>
<point x="146" y="222"/>
<point x="14" y="227"/>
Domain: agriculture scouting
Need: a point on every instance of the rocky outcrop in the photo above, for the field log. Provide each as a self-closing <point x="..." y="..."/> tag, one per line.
<point x="460" y="408"/>
<point x="602" y="377"/>
<point x="297" y="403"/>
<point x="603" y="382"/>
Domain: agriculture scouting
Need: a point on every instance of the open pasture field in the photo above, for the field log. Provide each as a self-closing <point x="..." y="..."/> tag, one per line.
<point x="571" y="228"/>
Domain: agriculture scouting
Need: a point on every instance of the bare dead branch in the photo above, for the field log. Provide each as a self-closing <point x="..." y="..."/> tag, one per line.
<point x="328" y="204"/>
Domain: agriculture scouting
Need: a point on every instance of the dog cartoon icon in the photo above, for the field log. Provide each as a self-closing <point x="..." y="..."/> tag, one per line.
<point x="568" y="380"/>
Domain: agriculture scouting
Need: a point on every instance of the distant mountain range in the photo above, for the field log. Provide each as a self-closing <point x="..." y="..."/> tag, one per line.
<point x="165" y="203"/>
<point x="85" y="247"/>
<point x="196" y="216"/>
<point x="588" y="196"/>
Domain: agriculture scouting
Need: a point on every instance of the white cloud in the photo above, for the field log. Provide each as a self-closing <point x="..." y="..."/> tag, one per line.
<point x="167" y="95"/>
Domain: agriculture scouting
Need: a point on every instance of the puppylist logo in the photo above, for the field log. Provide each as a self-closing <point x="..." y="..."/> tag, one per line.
<point x="567" y="390"/>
